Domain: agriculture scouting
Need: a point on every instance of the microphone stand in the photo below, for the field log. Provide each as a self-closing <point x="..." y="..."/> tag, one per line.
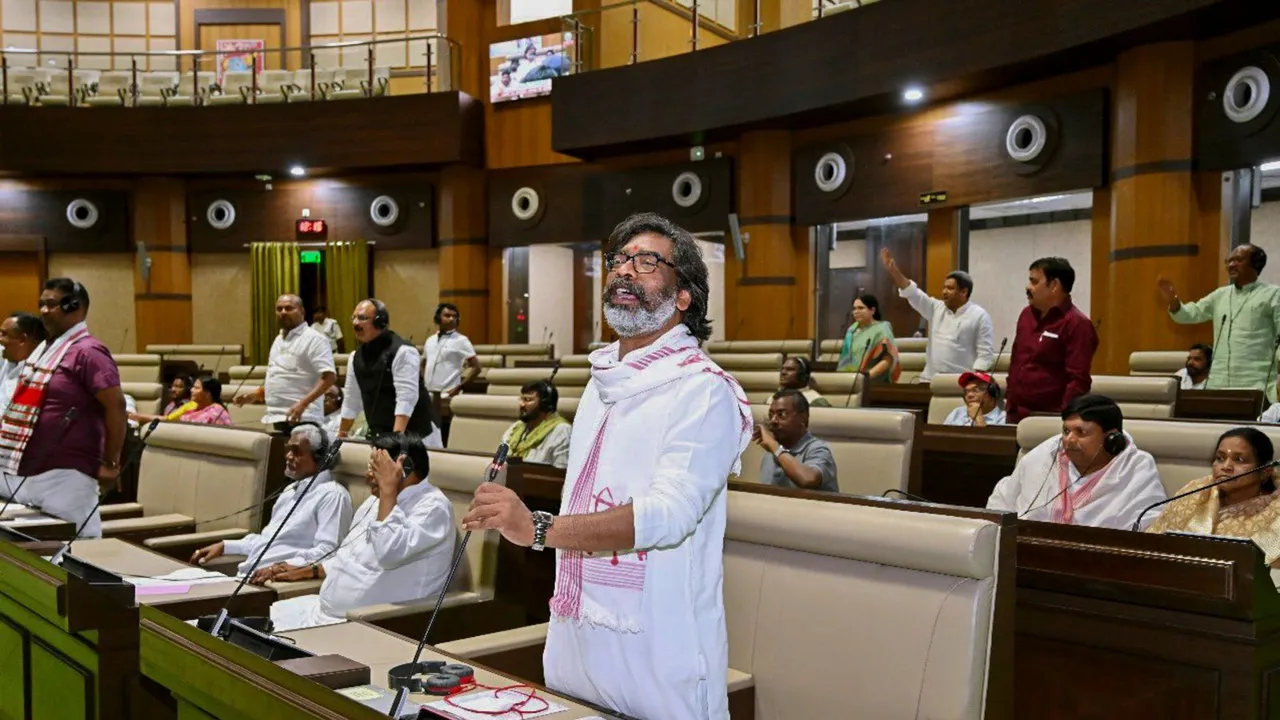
<point x="66" y="422"/>
<point x="220" y="621"/>
<point x="131" y="460"/>
<point x="1138" y="523"/>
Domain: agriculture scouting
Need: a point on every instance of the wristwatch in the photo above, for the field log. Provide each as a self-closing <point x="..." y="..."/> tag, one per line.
<point x="111" y="464"/>
<point x="778" y="451"/>
<point x="542" y="521"/>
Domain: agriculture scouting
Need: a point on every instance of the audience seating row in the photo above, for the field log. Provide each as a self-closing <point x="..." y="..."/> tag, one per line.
<point x="149" y="396"/>
<point x="1157" y="362"/>
<point x="138" y="368"/>
<point x="208" y="357"/>
<point x="1138" y="397"/>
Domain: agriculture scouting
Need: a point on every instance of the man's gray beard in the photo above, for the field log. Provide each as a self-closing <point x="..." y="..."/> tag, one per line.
<point x="640" y="320"/>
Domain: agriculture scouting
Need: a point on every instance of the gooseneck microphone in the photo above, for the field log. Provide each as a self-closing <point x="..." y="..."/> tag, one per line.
<point x="219" y="624"/>
<point x="405" y="671"/>
<point x="995" y="365"/>
<point x="62" y="430"/>
<point x="866" y="349"/>
<point x="1138" y="523"/>
<point x="137" y="455"/>
<point x="1221" y="327"/>
<point x="245" y="379"/>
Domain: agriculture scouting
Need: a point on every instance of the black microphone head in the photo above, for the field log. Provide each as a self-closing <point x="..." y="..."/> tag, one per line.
<point x="500" y="457"/>
<point x="151" y="426"/>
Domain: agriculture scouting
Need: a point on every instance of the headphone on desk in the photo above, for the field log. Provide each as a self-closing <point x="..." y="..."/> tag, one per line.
<point x="432" y="677"/>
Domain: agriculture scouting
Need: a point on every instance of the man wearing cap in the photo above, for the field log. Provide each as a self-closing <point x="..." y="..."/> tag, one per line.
<point x="981" y="402"/>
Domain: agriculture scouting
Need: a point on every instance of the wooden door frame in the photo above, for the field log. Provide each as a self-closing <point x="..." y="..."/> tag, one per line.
<point x="258" y="16"/>
<point x="28" y="244"/>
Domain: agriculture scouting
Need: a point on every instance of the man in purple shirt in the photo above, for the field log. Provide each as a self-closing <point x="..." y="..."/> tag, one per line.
<point x="73" y="451"/>
<point x="1054" y="345"/>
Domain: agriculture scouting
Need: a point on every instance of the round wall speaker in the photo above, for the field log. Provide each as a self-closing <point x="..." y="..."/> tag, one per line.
<point x="686" y="189"/>
<point x="1246" y="94"/>
<point x="526" y="204"/>
<point x="1031" y="140"/>
<point x="82" y="214"/>
<point x="384" y="211"/>
<point x="221" y="214"/>
<point x="830" y="172"/>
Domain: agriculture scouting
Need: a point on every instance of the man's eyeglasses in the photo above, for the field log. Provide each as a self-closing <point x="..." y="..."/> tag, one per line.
<point x="643" y="262"/>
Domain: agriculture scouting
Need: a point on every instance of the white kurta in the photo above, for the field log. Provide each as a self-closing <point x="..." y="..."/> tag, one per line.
<point x="445" y="355"/>
<point x="313" y="532"/>
<point x="404" y="557"/>
<point x="663" y="654"/>
<point x="958" y="341"/>
<point x="9" y="372"/>
<point x="298" y="359"/>
<point x="1130" y="482"/>
<point x="1186" y="383"/>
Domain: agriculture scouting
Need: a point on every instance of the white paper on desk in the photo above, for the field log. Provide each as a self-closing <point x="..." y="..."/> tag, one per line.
<point x="488" y="701"/>
<point x="183" y="576"/>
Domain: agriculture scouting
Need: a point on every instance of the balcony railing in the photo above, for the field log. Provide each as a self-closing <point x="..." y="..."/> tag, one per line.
<point x="244" y="75"/>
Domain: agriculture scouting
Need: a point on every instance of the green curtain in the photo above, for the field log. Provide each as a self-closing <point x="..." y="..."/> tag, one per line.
<point x="276" y="271"/>
<point x="346" y="279"/>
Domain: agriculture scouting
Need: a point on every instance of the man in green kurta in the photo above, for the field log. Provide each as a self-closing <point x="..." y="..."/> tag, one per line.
<point x="1246" y="323"/>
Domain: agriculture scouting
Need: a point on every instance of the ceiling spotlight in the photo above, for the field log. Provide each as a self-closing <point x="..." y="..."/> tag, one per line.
<point x="913" y="94"/>
<point x="1268" y="167"/>
<point x="297" y="171"/>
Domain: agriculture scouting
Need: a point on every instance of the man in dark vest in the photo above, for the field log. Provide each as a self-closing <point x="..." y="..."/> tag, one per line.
<point x="384" y="380"/>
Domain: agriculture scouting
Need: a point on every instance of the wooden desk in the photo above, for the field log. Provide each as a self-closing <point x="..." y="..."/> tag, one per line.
<point x="527" y="578"/>
<point x="900" y="396"/>
<point x="962" y="465"/>
<point x="37" y="524"/>
<point x="1127" y="625"/>
<point x="125" y="559"/>
<point x="1223" y="405"/>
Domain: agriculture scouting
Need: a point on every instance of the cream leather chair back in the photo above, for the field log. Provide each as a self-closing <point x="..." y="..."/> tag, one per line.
<point x="912" y="366"/>
<point x="1183" y="451"/>
<point x="842" y="390"/>
<point x="1157" y="362"/>
<point x="948" y="395"/>
<point x="148" y="395"/>
<point x="902" y="603"/>
<point x="734" y="362"/>
<point x="480" y="421"/>
<point x="770" y="347"/>
<point x="247" y="372"/>
<point x="1139" y="397"/>
<point x="205" y="472"/>
<point x="512" y="352"/>
<point x="210" y="357"/>
<point x="248" y="417"/>
<point x="829" y="350"/>
<point x="759" y="385"/>
<point x="138" y="368"/>
<point x="575" y="361"/>
<point x="909" y="344"/>
<point x="508" y="381"/>
<point x="872" y="448"/>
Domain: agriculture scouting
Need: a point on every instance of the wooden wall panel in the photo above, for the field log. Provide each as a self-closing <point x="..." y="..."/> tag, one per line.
<point x="263" y="215"/>
<point x="560" y="216"/>
<point x="162" y="298"/>
<point x="297" y="22"/>
<point x="609" y="198"/>
<point x="518" y="134"/>
<point x="960" y="151"/>
<point x="37" y="211"/>
<point x="464" y="251"/>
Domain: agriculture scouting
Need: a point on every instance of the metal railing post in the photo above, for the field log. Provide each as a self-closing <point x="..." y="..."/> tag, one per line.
<point x="694" y="16"/>
<point x="635" y="33"/>
<point x="369" y="61"/>
<point x="253" y="79"/>
<point x="577" y="46"/>
<point x="428" y="66"/>
<point x="71" y="81"/>
<point x="755" y="27"/>
<point x="133" y="79"/>
<point x="4" y="71"/>
<point x="196" y="98"/>
<point x="313" y="77"/>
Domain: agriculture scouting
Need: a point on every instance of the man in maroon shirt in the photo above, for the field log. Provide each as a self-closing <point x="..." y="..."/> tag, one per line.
<point x="1053" y="347"/>
<point x="73" y="452"/>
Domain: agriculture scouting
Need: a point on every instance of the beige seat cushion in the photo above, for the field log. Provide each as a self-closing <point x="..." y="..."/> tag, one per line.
<point x="148" y="395"/>
<point x="772" y="347"/>
<point x="508" y="381"/>
<point x="872" y="448"/>
<point x="205" y="472"/>
<point x="759" y="385"/>
<point x="479" y="421"/>
<point x="1139" y="397"/>
<point x="841" y="389"/>
<point x="909" y="344"/>
<point x="1157" y="362"/>
<point x="912" y="365"/>
<point x="948" y="395"/>
<point x="748" y="361"/>
<point x="138" y="368"/>
<point x="512" y="350"/>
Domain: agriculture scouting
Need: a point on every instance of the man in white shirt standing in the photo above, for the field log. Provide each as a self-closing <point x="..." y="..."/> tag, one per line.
<point x="328" y="327"/>
<point x="314" y="529"/>
<point x="1091" y="475"/>
<point x="450" y="362"/>
<point x="638" y="621"/>
<point x="1195" y="374"/>
<point x="384" y="380"/>
<point x="399" y="548"/>
<point x="299" y="370"/>
<point x="961" y="336"/>
<point x="20" y="334"/>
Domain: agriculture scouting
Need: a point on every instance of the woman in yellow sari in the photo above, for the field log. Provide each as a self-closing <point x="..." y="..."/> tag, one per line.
<point x="1241" y="508"/>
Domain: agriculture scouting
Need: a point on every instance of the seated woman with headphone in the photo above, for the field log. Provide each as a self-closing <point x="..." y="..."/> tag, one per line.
<point x="981" y="402"/>
<point x="1092" y="474"/>
<point x="795" y="374"/>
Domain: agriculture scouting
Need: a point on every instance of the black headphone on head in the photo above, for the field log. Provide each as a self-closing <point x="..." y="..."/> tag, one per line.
<point x="548" y="396"/>
<point x="317" y="453"/>
<point x="381" y="318"/>
<point x="71" y="302"/>
<point x="404" y="453"/>
<point x="994" y="389"/>
<point x="1114" y="442"/>
<point x="805" y="372"/>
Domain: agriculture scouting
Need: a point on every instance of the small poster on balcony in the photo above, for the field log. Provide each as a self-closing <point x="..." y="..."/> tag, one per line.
<point x="239" y="56"/>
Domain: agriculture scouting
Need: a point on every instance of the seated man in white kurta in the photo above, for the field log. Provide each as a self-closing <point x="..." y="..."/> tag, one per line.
<point x="1092" y="474"/>
<point x="398" y="550"/>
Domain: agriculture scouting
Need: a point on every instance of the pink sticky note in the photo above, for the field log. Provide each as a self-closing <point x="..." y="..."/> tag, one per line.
<point x="173" y="589"/>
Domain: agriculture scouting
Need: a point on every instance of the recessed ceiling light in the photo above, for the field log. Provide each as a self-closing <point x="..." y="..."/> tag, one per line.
<point x="913" y="94"/>
<point x="297" y="171"/>
<point x="1272" y="166"/>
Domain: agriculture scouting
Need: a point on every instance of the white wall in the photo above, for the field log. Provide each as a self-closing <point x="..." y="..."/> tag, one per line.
<point x="998" y="261"/>
<point x="713" y="256"/>
<point x="551" y="296"/>
<point x="1264" y="231"/>
<point x="529" y="10"/>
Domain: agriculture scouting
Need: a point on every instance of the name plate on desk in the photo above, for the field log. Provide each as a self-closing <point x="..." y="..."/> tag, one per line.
<point x="905" y="396"/>
<point x="1229" y="405"/>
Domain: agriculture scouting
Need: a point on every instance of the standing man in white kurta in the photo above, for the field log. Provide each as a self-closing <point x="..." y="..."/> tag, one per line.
<point x="300" y="370"/>
<point x="449" y="362"/>
<point x="638" y="620"/>
<point x="1082" y="477"/>
<point x="961" y="336"/>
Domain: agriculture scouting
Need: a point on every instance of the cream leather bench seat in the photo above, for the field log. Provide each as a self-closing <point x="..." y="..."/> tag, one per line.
<point x="748" y="361"/>
<point x="873" y="449"/>
<point x="487" y="362"/>
<point x="575" y="361"/>
<point x="912" y="365"/>
<point x="771" y="347"/>
<point x="903" y="601"/>
<point x="841" y="389"/>
<point x="908" y="344"/>
<point x="1157" y="362"/>
<point x="247" y="417"/>
<point x="515" y="351"/>
<point x="138" y="368"/>
<point x="570" y="382"/>
<point x="759" y="385"/>
<point x="195" y="474"/>
<point x="948" y="395"/>
<point x="479" y="421"/>
<point x="208" y="357"/>
<point x="147" y="395"/>
<point x="238" y="373"/>
<point x="1183" y="450"/>
<point x="1139" y="397"/>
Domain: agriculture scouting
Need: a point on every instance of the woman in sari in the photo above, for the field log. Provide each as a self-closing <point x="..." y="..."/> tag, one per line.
<point x="868" y="344"/>
<point x="180" y="402"/>
<point x="207" y="395"/>
<point x="1241" y="508"/>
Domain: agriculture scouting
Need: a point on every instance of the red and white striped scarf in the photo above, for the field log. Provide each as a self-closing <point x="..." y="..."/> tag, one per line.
<point x="1064" y="510"/>
<point x="19" y="420"/>
<point x="607" y="588"/>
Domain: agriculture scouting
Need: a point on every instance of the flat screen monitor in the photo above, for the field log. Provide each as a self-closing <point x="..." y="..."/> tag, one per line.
<point x="525" y="68"/>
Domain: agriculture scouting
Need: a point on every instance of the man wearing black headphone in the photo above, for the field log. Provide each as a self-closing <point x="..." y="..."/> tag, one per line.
<point x="1246" y="323"/>
<point x="541" y="435"/>
<point x="384" y="381"/>
<point x="64" y="429"/>
<point x="449" y="362"/>
<point x="981" y="402"/>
